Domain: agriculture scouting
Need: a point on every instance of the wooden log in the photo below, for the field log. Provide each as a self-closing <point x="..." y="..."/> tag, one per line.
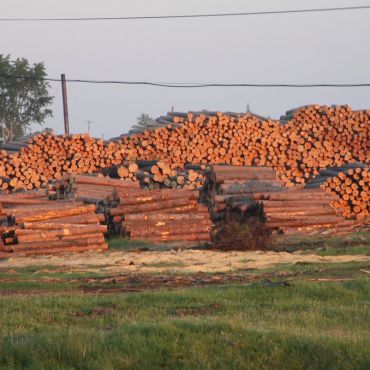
<point x="154" y="206"/>
<point x="42" y="236"/>
<point x="166" y="217"/>
<point x="48" y="244"/>
<point x="22" y="201"/>
<point x="55" y="250"/>
<point x="51" y="230"/>
<point x="104" y="181"/>
<point x="250" y="187"/>
<point x="85" y="219"/>
<point x="324" y="222"/>
<point x="159" y="195"/>
<point x="50" y="214"/>
<point x="221" y="173"/>
<point x="135" y="225"/>
<point x="316" y="230"/>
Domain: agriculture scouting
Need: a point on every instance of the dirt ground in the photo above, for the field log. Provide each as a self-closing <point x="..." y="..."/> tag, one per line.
<point x="181" y="261"/>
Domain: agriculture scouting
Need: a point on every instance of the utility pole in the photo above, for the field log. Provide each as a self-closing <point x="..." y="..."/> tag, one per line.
<point x="88" y="126"/>
<point x="65" y="103"/>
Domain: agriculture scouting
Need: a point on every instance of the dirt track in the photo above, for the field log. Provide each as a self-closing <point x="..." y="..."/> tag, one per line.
<point x="186" y="261"/>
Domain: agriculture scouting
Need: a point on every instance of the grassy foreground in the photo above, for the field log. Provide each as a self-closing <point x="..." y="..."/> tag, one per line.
<point x="301" y="316"/>
<point x="306" y="325"/>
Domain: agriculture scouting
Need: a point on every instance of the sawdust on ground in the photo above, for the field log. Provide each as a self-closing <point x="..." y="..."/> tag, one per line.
<point x="181" y="261"/>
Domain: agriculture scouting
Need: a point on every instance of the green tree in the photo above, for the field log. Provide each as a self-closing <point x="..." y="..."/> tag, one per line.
<point x="144" y="120"/>
<point x="24" y="100"/>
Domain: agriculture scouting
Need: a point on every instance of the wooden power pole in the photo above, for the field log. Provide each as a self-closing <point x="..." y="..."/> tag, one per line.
<point x="65" y="103"/>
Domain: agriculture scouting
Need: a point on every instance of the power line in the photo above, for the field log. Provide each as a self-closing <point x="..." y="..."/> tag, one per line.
<point x="191" y="85"/>
<point x="187" y="16"/>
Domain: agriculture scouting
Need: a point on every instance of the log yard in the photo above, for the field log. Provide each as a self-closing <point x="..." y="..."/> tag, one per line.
<point x="184" y="185"/>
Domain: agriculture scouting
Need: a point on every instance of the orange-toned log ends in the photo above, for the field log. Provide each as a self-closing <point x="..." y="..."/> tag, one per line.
<point x="282" y="210"/>
<point x="297" y="146"/>
<point x="51" y="227"/>
<point x="352" y="189"/>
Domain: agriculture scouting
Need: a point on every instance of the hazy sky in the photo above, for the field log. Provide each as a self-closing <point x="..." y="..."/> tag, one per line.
<point x="296" y="48"/>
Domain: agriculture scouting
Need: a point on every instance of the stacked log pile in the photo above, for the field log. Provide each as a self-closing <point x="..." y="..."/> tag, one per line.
<point x="231" y="187"/>
<point x="350" y="183"/>
<point x="126" y="170"/>
<point x="160" y="174"/>
<point x="353" y="190"/>
<point x="255" y="191"/>
<point x="303" y="142"/>
<point x="35" y="225"/>
<point x="302" y="211"/>
<point x="163" y="215"/>
<point x="103" y="192"/>
<point x="47" y="157"/>
<point x="311" y="138"/>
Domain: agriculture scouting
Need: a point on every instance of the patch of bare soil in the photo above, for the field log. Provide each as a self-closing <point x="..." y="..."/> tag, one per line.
<point x="181" y="261"/>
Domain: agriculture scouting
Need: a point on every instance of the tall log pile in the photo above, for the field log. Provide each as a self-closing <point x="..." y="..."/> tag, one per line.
<point x="35" y="225"/>
<point x="311" y="138"/>
<point x="162" y="215"/>
<point x="175" y="151"/>
<point x="255" y="191"/>
<point x="298" y="146"/>
<point x="47" y="157"/>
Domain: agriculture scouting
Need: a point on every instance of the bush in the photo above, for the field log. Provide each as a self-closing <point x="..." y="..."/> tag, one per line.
<point x="241" y="234"/>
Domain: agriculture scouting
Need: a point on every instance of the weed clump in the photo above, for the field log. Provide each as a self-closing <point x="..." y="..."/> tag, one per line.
<point x="241" y="234"/>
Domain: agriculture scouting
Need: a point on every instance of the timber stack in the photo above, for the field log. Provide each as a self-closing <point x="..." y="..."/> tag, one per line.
<point x="34" y="225"/>
<point x="163" y="215"/>
<point x="160" y="174"/>
<point x="103" y="192"/>
<point x="353" y="190"/>
<point x="256" y="192"/>
<point x="302" y="211"/>
<point x="305" y="141"/>
<point x="231" y="187"/>
<point x="47" y="157"/>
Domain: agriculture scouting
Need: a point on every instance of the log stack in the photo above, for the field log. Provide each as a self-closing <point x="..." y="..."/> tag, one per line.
<point x="256" y="192"/>
<point x="126" y="171"/>
<point x="231" y="187"/>
<point x="50" y="227"/>
<point x="47" y="157"/>
<point x="160" y="174"/>
<point x="163" y="215"/>
<point x="352" y="186"/>
<point x="302" y="211"/>
<point x="305" y="141"/>
<point x="97" y="190"/>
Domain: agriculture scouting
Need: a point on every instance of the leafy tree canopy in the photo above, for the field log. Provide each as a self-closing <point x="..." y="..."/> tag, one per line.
<point x="144" y="119"/>
<point x="22" y="100"/>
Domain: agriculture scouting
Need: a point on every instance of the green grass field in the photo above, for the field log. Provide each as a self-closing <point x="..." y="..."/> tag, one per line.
<point x="304" y="316"/>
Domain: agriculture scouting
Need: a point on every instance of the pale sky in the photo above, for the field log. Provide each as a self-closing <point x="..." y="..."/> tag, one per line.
<point x="296" y="48"/>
